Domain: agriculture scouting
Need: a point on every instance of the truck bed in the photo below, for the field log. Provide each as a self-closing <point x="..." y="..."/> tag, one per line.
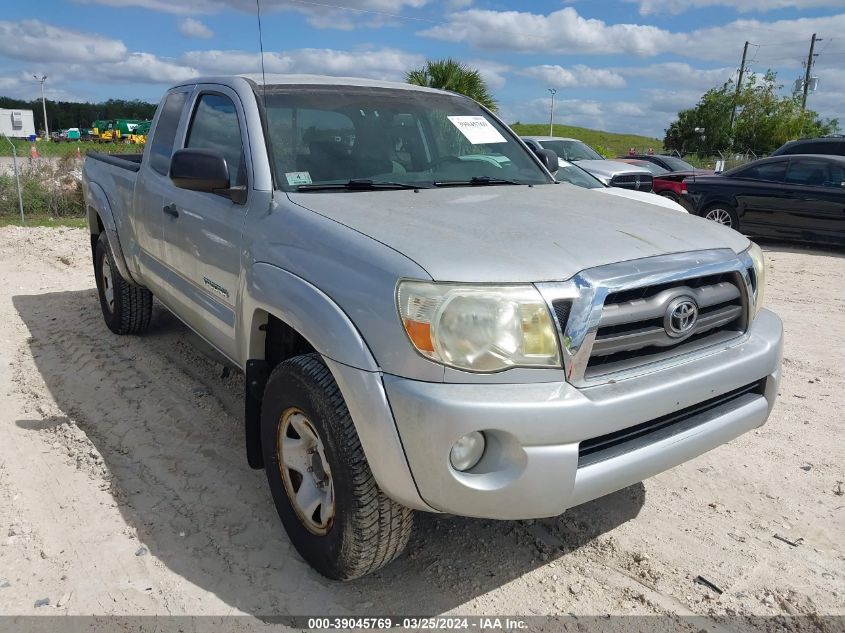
<point x="132" y="162"/>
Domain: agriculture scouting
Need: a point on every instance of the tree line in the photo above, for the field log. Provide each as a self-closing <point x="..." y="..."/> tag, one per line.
<point x="764" y="119"/>
<point x="65" y="114"/>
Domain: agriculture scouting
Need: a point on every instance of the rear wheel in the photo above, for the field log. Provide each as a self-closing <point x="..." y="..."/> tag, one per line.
<point x="127" y="309"/>
<point x="669" y="194"/>
<point x="335" y="514"/>
<point x="722" y="214"/>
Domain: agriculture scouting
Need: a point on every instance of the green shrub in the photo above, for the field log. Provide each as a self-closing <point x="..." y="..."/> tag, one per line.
<point x="50" y="188"/>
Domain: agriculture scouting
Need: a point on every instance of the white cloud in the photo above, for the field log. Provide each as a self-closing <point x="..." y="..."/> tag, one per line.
<point x="680" y="74"/>
<point x="23" y="86"/>
<point x="145" y="68"/>
<point x="563" y="31"/>
<point x="650" y="7"/>
<point x="327" y="14"/>
<point x="785" y="42"/>
<point x="382" y="63"/>
<point x="194" y="28"/>
<point x="34" y="40"/>
<point x="492" y="72"/>
<point x="578" y="76"/>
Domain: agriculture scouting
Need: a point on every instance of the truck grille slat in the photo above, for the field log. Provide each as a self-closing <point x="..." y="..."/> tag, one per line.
<point x="638" y="182"/>
<point x="634" y="327"/>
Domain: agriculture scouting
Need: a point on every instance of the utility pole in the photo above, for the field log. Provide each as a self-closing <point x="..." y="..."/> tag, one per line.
<point x="809" y="70"/>
<point x="42" y="79"/>
<point x="738" y="84"/>
<point x="552" y="113"/>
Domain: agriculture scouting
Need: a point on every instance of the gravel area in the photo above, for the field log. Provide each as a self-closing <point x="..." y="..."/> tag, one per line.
<point x="124" y="488"/>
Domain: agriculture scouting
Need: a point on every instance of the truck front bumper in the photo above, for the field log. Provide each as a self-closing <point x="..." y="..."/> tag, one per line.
<point x="539" y="462"/>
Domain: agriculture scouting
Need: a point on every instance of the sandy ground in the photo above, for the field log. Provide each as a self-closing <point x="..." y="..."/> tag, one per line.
<point x="124" y="488"/>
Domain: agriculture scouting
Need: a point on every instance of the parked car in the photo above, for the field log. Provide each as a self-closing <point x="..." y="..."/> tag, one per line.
<point x="610" y="172"/>
<point x="799" y="197"/>
<point x="573" y="174"/>
<point x="666" y="183"/>
<point x="825" y="145"/>
<point x="419" y="331"/>
<point x="669" y="163"/>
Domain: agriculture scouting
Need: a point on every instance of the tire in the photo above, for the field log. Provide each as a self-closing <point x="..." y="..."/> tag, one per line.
<point x="722" y="213"/>
<point x="670" y="194"/>
<point x="356" y="529"/>
<point x="127" y="309"/>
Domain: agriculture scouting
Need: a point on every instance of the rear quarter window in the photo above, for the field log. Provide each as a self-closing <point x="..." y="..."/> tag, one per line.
<point x="164" y="135"/>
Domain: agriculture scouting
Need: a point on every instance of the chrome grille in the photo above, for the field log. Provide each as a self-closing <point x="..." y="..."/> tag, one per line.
<point x="612" y="320"/>
<point x="632" y="330"/>
<point x="638" y="182"/>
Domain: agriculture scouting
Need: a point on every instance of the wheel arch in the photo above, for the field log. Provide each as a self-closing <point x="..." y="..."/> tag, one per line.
<point x="276" y="303"/>
<point x="100" y="219"/>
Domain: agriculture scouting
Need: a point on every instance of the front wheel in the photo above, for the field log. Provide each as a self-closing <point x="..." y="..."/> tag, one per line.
<point x="127" y="309"/>
<point x="722" y="214"/>
<point x="335" y="514"/>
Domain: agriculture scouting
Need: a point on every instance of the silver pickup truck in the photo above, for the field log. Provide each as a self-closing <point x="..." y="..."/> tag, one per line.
<point x="425" y="319"/>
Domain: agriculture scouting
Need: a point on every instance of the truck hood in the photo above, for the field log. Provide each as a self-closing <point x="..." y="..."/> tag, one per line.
<point x="517" y="233"/>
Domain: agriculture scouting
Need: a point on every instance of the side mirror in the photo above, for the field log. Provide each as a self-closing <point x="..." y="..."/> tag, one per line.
<point x="199" y="170"/>
<point x="549" y="159"/>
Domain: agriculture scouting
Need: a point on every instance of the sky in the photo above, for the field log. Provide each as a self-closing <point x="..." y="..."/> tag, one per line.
<point x="617" y="65"/>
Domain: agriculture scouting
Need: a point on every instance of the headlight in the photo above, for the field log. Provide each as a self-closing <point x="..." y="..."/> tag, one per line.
<point x="479" y="328"/>
<point x="756" y="255"/>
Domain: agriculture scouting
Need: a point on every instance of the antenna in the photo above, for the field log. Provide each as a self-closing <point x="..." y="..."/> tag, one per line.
<point x="261" y="47"/>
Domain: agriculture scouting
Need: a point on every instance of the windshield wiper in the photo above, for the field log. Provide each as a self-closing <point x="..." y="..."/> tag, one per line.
<point x="360" y="184"/>
<point x="476" y="181"/>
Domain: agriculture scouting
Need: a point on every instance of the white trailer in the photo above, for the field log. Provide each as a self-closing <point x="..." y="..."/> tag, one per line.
<point x="16" y="123"/>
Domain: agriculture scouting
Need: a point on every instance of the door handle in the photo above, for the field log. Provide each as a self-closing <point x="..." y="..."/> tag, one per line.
<point x="170" y="209"/>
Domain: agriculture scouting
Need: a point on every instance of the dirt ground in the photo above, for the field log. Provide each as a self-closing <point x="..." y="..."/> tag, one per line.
<point x="124" y="488"/>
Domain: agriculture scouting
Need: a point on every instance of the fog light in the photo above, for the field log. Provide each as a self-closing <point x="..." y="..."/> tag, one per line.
<point x="467" y="451"/>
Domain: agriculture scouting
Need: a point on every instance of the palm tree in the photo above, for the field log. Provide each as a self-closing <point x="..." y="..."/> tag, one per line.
<point x="450" y="74"/>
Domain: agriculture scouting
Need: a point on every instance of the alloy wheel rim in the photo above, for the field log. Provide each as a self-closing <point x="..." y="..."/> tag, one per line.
<point x="305" y="471"/>
<point x="108" y="284"/>
<point x="720" y="216"/>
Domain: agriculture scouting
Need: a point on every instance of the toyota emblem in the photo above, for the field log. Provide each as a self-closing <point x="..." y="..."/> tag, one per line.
<point x="681" y="317"/>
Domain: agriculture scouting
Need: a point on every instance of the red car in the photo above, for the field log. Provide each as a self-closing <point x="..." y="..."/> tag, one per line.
<point x="666" y="183"/>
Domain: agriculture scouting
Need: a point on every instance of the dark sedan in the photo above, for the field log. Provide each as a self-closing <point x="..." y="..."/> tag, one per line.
<point x="799" y="197"/>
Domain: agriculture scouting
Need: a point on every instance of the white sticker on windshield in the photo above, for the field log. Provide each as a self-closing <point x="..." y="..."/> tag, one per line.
<point x="298" y="178"/>
<point x="477" y="129"/>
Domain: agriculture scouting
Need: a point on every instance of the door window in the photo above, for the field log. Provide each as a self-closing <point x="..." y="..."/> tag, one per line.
<point x="812" y="173"/>
<point x="161" y="145"/>
<point x="215" y="126"/>
<point x="772" y="172"/>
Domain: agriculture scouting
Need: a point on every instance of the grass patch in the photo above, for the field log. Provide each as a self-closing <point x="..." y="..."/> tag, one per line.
<point x="43" y="220"/>
<point x="608" y="144"/>
<point x="62" y="150"/>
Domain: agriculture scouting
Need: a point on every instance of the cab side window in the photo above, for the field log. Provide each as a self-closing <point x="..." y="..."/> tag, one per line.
<point x="809" y="172"/>
<point x="215" y="126"/>
<point x="161" y="145"/>
<point x="771" y="172"/>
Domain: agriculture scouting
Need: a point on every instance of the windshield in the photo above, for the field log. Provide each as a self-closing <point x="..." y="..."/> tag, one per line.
<point x="676" y="164"/>
<point x="575" y="175"/>
<point x="349" y="137"/>
<point x="572" y="150"/>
